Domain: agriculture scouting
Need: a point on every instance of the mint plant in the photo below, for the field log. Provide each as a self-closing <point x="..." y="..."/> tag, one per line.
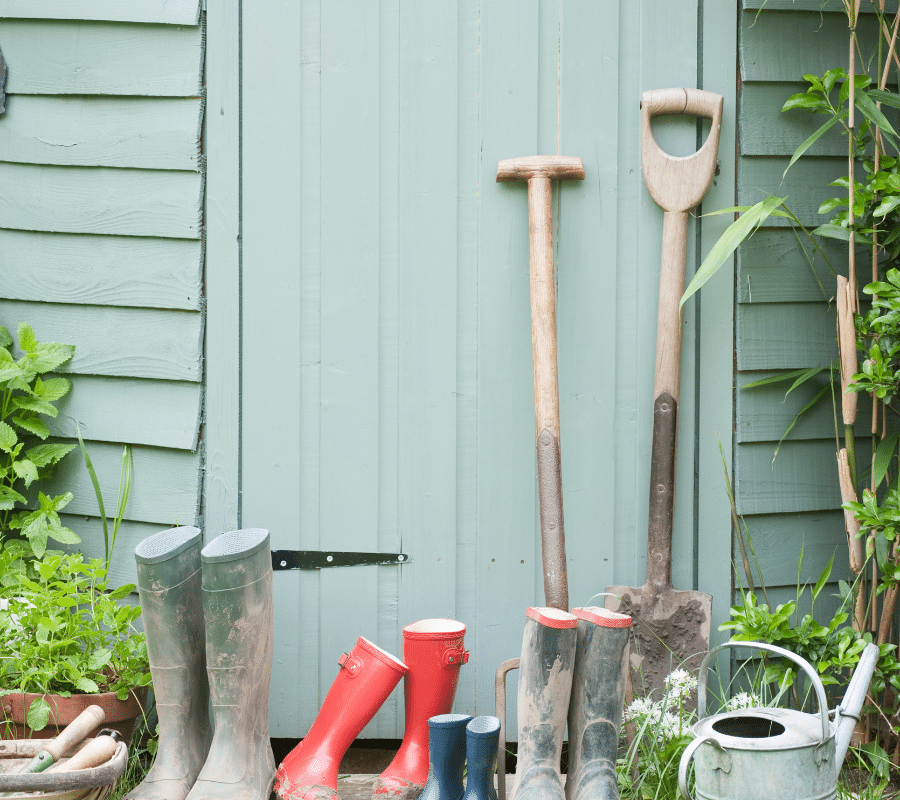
<point x="27" y="396"/>
<point x="63" y="631"/>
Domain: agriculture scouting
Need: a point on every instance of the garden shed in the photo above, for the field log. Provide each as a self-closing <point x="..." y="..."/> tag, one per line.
<point x="274" y="233"/>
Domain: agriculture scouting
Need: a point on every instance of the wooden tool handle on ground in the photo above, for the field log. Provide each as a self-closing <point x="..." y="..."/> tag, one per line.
<point x="540" y="172"/>
<point x="98" y="751"/>
<point x="88" y="720"/>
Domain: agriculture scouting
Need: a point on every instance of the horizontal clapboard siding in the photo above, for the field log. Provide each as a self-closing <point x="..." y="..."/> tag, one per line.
<point x="164" y="484"/>
<point x="146" y="133"/>
<point x="152" y="412"/>
<point x="785" y="336"/>
<point x="101" y="270"/>
<point x="777" y="542"/>
<point x="101" y="58"/>
<point x="134" y="343"/>
<point x="772" y="267"/>
<point x="182" y="12"/>
<point x="785" y="318"/>
<point x="126" y="202"/>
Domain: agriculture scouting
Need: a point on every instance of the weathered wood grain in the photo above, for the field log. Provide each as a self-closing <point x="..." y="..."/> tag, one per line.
<point x="181" y="12"/>
<point x="102" y="58"/>
<point x="806" y="185"/>
<point x="164" y="487"/>
<point x="127" y="202"/>
<point x="802" y="478"/>
<point x="785" y="336"/>
<point x="115" y="409"/>
<point x="86" y="269"/>
<point x="132" y="342"/>
<point x="769" y="42"/>
<point x="147" y="133"/>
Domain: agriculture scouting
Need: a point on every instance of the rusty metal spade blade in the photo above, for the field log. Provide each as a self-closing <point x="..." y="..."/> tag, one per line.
<point x="671" y="627"/>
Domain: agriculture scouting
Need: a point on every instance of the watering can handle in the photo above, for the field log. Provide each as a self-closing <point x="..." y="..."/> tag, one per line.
<point x="779" y="651"/>
<point x="686" y="757"/>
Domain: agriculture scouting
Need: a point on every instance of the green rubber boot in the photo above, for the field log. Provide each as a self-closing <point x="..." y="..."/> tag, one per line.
<point x="545" y="681"/>
<point x="168" y="572"/>
<point x="237" y="605"/>
<point x="596" y="706"/>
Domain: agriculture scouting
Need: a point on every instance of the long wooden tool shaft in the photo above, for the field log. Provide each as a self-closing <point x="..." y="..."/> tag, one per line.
<point x="540" y="172"/>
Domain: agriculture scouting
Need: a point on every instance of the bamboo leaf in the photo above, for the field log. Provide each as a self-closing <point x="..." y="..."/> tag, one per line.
<point x="810" y="142"/>
<point x="883" y="456"/>
<point x="728" y="242"/>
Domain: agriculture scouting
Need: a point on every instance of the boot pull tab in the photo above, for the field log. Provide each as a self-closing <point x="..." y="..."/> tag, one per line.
<point x="455" y="657"/>
<point x="350" y="663"/>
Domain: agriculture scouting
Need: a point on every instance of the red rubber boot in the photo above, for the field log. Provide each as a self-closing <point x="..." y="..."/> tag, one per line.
<point x="433" y="649"/>
<point x="367" y="676"/>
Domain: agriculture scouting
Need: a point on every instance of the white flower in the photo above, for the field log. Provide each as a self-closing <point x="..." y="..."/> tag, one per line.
<point x="743" y="700"/>
<point x="679" y="684"/>
<point x="640" y="707"/>
<point x="670" y="726"/>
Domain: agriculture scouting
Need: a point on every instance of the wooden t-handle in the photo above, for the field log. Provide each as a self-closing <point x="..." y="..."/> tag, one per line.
<point x="96" y="752"/>
<point x="540" y="172"/>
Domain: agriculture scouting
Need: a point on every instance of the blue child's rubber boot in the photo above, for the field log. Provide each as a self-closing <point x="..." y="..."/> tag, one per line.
<point x="545" y="682"/>
<point x="446" y="757"/>
<point x="596" y="706"/>
<point x="482" y="735"/>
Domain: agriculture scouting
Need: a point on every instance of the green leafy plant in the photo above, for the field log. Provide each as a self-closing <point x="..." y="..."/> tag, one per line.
<point x="27" y="396"/>
<point x="64" y="631"/>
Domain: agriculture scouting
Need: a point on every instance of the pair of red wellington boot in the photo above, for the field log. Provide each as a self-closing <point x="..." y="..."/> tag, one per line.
<point x="433" y="652"/>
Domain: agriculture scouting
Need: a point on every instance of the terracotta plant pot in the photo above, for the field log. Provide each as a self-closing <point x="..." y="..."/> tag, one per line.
<point x="120" y="714"/>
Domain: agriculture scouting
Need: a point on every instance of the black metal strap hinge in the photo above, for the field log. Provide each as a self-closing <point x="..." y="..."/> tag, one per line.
<point x="319" y="559"/>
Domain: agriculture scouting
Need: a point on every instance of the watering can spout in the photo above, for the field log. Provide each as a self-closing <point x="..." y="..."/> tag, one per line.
<point x="847" y="714"/>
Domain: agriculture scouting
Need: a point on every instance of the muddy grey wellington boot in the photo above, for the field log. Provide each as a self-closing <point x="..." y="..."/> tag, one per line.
<point x="545" y="681"/>
<point x="168" y="574"/>
<point x="596" y="705"/>
<point x="237" y="606"/>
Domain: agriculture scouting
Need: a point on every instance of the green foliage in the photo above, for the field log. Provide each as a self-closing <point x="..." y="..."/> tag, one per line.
<point x="63" y="631"/>
<point x="27" y="395"/>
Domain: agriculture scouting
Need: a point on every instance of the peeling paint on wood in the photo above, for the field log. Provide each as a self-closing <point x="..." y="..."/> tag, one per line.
<point x="147" y="133"/>
<point x="179" y="12"/>
<point x="86" y="269"/>
<point x="102" y="58"/>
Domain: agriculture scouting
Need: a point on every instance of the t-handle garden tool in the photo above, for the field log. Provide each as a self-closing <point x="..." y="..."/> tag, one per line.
<point x="540" y="172"/>
<point x="77" y="730"/>
<point x="669" y="626"/>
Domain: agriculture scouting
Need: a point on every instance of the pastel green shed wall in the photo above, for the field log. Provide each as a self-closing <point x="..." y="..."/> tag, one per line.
<point x="101" y="246"/>
<point x="368" y="357"/>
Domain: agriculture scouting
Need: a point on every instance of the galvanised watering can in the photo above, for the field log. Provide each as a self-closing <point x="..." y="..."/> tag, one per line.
<point x="764" y="753"/>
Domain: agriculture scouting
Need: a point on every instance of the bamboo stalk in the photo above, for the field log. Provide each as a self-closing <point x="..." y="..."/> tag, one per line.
<point x="848" y="495"/>
<point x="846" y="349"/>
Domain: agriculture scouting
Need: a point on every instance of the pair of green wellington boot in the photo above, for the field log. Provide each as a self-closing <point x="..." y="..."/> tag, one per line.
<point x="572" y="669"/>
<point x="208" y="622"/>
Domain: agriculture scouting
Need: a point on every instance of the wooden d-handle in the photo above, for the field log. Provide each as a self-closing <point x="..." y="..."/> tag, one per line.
<point x="678" y="183"/>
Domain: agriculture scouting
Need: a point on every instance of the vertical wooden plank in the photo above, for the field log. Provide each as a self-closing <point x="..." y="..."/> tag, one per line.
<point x="389" y="345"/>
<point x="428" y="297"/>
<point x="271" y="309"/>
<point x="308" y="225"/>
<point x="349" y="319"/>
<point x="222" y="138"/>
<point x="717" y="325"/>
<point x="508" y="552"/>
<point x="587" y="294"/>
<point x="468" y="168"/>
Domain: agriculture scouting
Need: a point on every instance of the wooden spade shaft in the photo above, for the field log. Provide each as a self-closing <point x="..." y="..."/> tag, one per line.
<point x="671" y="627"/>
<point x="540" y="172"/>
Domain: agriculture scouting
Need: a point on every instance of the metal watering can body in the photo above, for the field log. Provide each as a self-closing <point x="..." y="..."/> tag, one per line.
<point x="761" y="753"/>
